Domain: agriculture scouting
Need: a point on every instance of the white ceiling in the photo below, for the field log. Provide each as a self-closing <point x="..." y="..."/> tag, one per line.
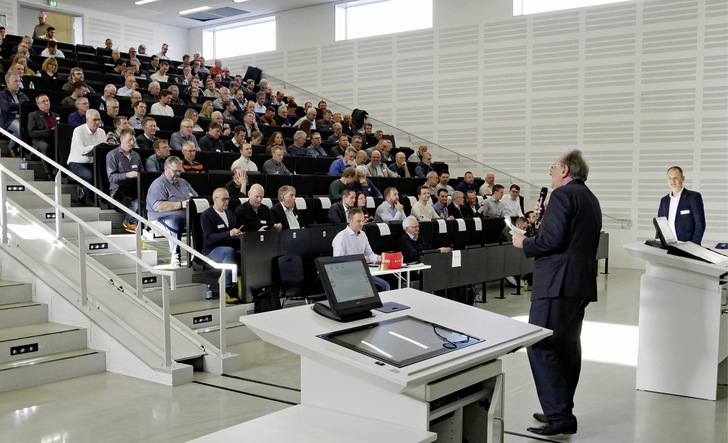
<point x="167" y="11"/>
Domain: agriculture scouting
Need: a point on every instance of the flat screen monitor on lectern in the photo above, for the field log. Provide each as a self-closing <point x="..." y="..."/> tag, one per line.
<point x="349" y="288"/>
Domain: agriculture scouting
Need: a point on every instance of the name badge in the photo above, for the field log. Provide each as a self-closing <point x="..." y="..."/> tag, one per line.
<point x="220" y="226"/>
<point x="134" y="166"/>
<point x="685" y="211"/>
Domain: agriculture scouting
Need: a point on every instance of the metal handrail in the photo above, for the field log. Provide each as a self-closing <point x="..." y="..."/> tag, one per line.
<point x="137" y="259"/>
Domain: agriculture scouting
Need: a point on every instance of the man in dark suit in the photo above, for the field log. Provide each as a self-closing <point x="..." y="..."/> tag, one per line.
<point x="411" y="244"/>
<point x="255" y="216"/>
<point x="453" y="209"/>
<point x="564" y="277"/>
<point x="42" y="129"/>
<point x="683" y="208"/>
<point x="220" y="237"/>
<point x="338" y="212"/>
<point x="471" y="208"/>
<point x="285" y="212"/>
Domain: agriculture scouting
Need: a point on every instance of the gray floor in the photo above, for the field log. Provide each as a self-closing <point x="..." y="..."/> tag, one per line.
<point x="108" y="407"/>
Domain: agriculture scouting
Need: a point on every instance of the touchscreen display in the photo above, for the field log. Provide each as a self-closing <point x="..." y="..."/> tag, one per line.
<point x="349" y="281"/>
<point x="401" y="341"/>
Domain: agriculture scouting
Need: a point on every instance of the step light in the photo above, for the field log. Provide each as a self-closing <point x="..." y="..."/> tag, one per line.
<point x="24" y="349"/>
<point x="201" y="319"/>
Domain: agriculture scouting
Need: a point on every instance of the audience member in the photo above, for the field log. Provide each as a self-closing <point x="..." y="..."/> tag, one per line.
<point x="237" y="187"/>
<point x="245" y="162"/>
<point x="338" y="130"/>
<point x="430" y="182"/>
<point x="315" y="149"/>
<point x="161" y="74"/>
<point x="376" y="168"/>
<point x="512" y="203"/>
<point x="325" y="123"/>
<point x="146" y="139"/>
<point x="353" y="241"/>
<point x="85" y="138"/>
<point x="52" y="50"/>
<point x="10" y="99"/>
<point x="440" y="207"/>
<point x="361" y="158"/>
<point x="113" y="137"/>
<point x="274" y="165"/>
<point x="220" y="238"/>
<point x="111" y="112"/>
<point x="189" y="151"/>
<point x="123" y="165"/>
<point x="184" y="134"/>
<point x="49" y="68"/>
<point x="338" y="212"/>
<point x="399" y="167"/>
<point x="471" y="208"/>
<point x="78" y="118"/>
<point x="299" y="139"/>
<point x="468" y="184"/>
<point x="443" y="182"/>
<point x="162" y="106"/>
<point x="343" y="144"/>
<point x="417" y="156"/>
<point x="337" y="187"/>
<point x="167" y="199"/>
<point x="269" y="117"/>
<point x="285" y="212"/>
<point x="487" y="188"/>
<point x="41" y="28"/>
<point x="493" y="207"/>
<point x="140" y="109"/>
<point x="424" y="167"/>
<point x="155" y="162"/>
<point x="361" y="203"/>
<point x="391" y="208"/>
<point x="153" y="91"/>
<point x="211" y="142"/>
<point x="363" y="184"/>
<point x="457" y="200"/>
<point x="255" y="216"/>
<point x="42" y="129"/>
<point x="337" y="166"/>
<point x="422" y="209"/>
<point x="310" y="116"/>
<point x="411" y="244"/>
<point x="348" y="127"/>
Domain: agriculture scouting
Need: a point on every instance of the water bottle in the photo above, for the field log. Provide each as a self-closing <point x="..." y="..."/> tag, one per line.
<point x="208" y="293"/>
<point x="23" y="164"/>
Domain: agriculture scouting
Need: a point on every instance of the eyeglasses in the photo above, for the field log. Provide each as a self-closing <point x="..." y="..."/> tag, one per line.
<point x="551" y="169"/>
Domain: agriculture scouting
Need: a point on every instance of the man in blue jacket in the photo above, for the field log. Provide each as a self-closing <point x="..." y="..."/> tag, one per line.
<point x="564" y="277"/>
<point x="683" y="208"/>
<point x="10" y="99"/>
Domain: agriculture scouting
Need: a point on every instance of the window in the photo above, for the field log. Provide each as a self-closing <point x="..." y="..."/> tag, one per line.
<point x="526" y="7"/>
<point x="369" y="18"/>
<point x="234" y="40"/>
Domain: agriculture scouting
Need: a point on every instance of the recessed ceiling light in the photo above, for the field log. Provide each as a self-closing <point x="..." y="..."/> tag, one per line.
<point x="144" y="2"/>
<point x="239" y="1"/>
<point x="193" y="10"/>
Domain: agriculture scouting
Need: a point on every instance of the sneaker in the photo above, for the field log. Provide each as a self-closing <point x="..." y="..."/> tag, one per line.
<point x="11" y="153"/>
<point x="130" y="227"/>
<point x="175" y="263"/>
<point x="231" y="300"/>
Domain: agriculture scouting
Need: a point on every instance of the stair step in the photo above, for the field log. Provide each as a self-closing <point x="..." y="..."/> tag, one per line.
<point x="47" y="214"/>
<point x="205" y="313"/>
<point x="126" y="241"/>
<point x="23" y="313"/>
<point x="184" y="276"/>
<point x="191" y="292"/>
<point x="10" y="163"/>
<point x="49" y="338"/>
<point x="236" y="333"/>
<point x="28" y="200"/>
<point x="113" y="260"/>
<point x="15" y="292"/>
<point x="58" y="366"/>
<point x="46" y="187"/>
<point x="69" y="230"/>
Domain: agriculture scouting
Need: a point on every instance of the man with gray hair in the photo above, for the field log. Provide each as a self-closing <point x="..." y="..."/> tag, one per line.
<point x="79" y="117"/>
<point x="411" y="244"/>
<point x="338" y="130"/>
<point x="10" y="100"/>
<point x="363" y="184"/>
<point x="76" y="75"/>
<point x="85" y="138"/>
<point x="337" y="166"/>
<point x="153" y="92"/>
<point x="487" y="188"/>
<point x="285" y="212"/>
<point x="565" y="250"/>
<point x="282" y="116"/>
<point x="417" y="156"/>
<point x="310" y="116"/>
<point x="299" y="139"/>
<point x="42" y="27"/>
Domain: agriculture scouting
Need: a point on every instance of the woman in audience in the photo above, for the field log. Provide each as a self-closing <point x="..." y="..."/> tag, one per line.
<point x="361" y="203"/>
<point x="192" y="115"/>
<point x="276" y="139"/>
<point x="206" y="110"/>
<point x="256" y="138"/>
<point x="49" y="68"/>
<point x="22" y="60"/>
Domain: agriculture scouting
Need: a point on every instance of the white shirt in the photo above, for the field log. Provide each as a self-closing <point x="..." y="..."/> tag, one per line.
<point x="223" y="216"/>
<point x="291" y="218"/>
<point x="83" y="142"/>
<point x="347" y="242"/>
<point x="511" y="207"/>
<point x="672" y="212"/>
<point x="244" y="163"/>
<point x="160" y="109"/>
<point x="159" y="77"/>
<point x="47" y="53"/>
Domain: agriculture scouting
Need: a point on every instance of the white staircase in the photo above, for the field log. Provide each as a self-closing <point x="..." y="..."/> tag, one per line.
<point x="34" y="351"/>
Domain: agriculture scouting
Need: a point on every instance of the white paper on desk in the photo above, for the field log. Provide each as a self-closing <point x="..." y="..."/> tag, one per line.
<point x="442" y="225"/>
<point x="325" y="202"/>
<point x="513" y="228"/>
<point x="461" y="224"/>
<point x="383" y="229"/>
<point x="300" y="203"/>
<point x="478" y="224"/>
<point x="455" y="259"/>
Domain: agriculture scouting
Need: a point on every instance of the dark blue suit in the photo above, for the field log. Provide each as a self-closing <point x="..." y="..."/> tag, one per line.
<point x="690" y="216"/>
<point x="214" y="231"/>
<point x="564" y="279"/>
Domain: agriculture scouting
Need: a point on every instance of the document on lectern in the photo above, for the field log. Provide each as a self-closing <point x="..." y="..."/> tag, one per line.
<point x="685" y="249"/>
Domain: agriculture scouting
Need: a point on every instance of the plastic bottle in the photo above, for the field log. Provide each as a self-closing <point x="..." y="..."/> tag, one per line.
<point x="208" y="293"/>
<point x="23" y="164"/>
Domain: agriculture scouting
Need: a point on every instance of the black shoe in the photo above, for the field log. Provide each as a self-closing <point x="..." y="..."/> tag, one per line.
<point x="540" y="417"/>
<point x="549" y="429"/>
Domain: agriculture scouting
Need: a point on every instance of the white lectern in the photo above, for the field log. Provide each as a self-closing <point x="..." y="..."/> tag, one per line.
<point x="459" y="395"/>
<point x="683" y="325"/>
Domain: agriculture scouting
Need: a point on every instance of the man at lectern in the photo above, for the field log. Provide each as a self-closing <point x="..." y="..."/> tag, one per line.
<point x="564" y="279"/>
<point x="683" y="208"/>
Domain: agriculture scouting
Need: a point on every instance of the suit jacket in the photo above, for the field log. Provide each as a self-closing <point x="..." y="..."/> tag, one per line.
<point x="468" y="212"/>
<point x="251" y="220"/>
<point x="214" y="231"/>
<point x="565" y="247"/>
<point x="412" y="249"/>
<point x="8" y="108"/>
<point x="690" y="216"/>
<point x="38" y="128"/>
<point x="454" y="210"/>
<point x="337" y="213"/>
<point x="279" y="215"/>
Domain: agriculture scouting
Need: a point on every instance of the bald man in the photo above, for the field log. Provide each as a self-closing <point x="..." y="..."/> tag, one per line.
<point x="255" y="216"/>
<point x="220" y="238"/>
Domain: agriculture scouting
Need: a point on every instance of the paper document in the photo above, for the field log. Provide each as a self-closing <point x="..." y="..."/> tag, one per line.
<point x="512" y="226"/>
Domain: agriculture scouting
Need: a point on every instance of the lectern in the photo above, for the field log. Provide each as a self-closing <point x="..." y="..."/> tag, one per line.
<point x="683" y="324"/>
<point x="457" y="394"/>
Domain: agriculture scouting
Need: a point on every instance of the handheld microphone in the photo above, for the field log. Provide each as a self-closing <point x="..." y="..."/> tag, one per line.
<point x="541" y="202"/>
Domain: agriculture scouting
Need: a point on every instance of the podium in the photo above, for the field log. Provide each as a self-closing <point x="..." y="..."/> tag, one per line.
<point x="459" y="394"/>
<point x="683" y="324"/>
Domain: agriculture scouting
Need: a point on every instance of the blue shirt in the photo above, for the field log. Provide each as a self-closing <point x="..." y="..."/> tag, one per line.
<point x="440" y="210"/>
<point x="176" y="140"/>
<point x="386" y="212"/>
<point x="295" y="150"/>
<point x="315" y="151"/>
<point x="337" y="166"/>
<point x="161" y="190"/>
<point x="347" y="242"/>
